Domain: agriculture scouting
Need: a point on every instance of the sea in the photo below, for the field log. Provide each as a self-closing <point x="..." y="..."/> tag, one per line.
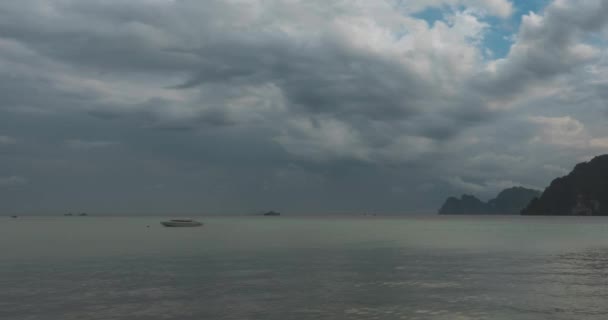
<point x="322" y="267"/>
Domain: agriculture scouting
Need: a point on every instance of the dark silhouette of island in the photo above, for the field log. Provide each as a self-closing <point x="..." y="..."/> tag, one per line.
<point x="83" y="214"/>
<point x="272" y="213"/>
<point x="583" y="192"/>
<point x="508" y="201"/>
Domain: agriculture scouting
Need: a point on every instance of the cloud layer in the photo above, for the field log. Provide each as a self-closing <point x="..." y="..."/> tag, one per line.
<point x="306" y="106"/>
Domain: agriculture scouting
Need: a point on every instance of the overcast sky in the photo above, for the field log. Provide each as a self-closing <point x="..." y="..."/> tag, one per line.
<point x="302" y="106"/>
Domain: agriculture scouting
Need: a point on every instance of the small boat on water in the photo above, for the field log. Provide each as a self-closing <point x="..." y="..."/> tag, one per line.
<point x="181" y="223"/>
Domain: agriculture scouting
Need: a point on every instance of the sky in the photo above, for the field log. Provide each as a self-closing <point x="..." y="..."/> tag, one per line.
<point x="315" y="106"/>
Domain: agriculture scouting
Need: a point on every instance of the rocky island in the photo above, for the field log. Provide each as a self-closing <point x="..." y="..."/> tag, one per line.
<point x="508" y="201"/>
<point x="584" y="191"/>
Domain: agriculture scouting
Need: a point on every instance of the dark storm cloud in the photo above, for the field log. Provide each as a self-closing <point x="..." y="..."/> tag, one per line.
<point x="323" y="76"/>
<point x="110" y="37"/>
<point x="326" y="79"/>
<point x="303" y="104"/>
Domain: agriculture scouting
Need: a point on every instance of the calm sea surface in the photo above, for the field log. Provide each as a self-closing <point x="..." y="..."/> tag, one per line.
<point x="304" y="268"/>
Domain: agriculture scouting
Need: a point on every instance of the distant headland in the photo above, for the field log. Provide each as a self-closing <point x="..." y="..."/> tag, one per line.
<point x="583" y="192"/>
<point x="508" y="201"/>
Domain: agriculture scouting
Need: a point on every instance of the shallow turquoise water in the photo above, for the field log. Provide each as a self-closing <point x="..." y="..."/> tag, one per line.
<point x="304" y="268"/>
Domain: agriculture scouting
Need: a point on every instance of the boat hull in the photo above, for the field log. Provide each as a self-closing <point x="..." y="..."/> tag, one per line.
<point x="181" y="224"/>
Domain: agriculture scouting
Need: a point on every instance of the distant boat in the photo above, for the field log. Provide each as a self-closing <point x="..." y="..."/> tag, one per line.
<point x="13" y="216"/>
<point x="272" y="213"/>
<point x="181" y="223"/>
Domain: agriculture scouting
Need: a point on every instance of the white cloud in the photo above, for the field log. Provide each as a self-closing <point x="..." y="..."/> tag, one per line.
<point x="566" y="132"/>
<point x="548" y="46"/>
<point x="553" y="169"/>
<point x="600" y="143"/>
<point x="561" y="131"/>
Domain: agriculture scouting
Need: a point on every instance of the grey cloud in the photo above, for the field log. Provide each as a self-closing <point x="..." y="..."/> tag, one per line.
<point x="7" y="140"/>
<point x="23" y="92"/>
<point x="323" y="80"/>
<point x="272" y="105"/>
<point x="113" y="37"/>
<point x="322" y="76"/>
<point x="87" y="145"/>
<point x="12" y="181"/>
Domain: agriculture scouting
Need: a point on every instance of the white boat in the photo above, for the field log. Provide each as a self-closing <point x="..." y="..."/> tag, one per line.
<point x="181" y="223"/>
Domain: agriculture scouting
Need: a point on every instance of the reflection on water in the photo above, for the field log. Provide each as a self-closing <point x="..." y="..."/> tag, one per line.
<point x="357" y="274"/>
